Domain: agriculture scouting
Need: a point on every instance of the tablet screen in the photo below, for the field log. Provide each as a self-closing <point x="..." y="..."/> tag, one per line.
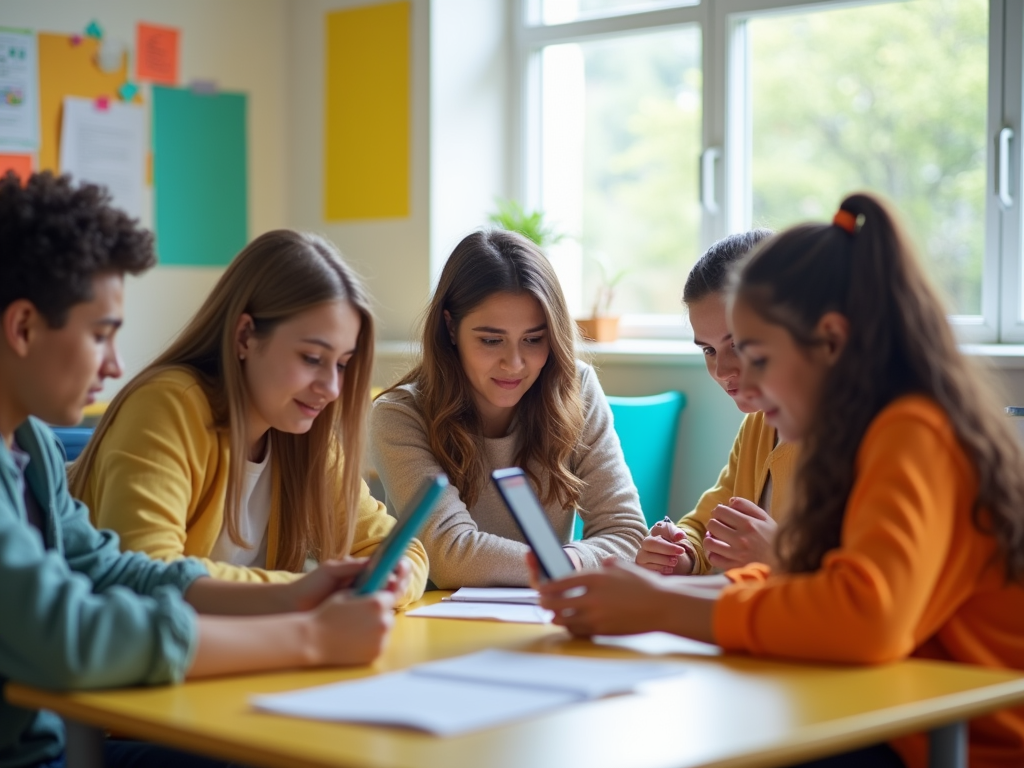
<point x="533" y="522"/>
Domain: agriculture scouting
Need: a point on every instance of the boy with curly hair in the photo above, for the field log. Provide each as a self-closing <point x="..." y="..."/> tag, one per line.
<point x="76" y="612"/>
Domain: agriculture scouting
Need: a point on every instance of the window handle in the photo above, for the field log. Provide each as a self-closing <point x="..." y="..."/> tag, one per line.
<point x="1005" y="196"/>
<point x="708" y="158"/>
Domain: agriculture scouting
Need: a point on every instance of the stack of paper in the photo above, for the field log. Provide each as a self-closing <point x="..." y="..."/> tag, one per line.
<point x="522" y="595"/>
<point x="468" y="692"/>
<point x="514" y="604"/>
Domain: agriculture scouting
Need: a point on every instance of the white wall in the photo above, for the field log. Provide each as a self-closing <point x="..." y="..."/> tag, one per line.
<point x="243" y="46"/>
<point x="469" y="118"/>
<point x="392" y="254"/>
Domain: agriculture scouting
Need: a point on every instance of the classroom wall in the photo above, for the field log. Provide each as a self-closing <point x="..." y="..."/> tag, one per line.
<point x="392" y="254"/>
<point x="243" y="46"/>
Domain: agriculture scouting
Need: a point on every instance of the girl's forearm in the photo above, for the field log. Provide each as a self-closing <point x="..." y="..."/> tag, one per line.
<point x="689" y="612"/>
<point x="232" y="645"/>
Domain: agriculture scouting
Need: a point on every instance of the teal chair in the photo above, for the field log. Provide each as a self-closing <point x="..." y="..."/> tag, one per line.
<point x="647" y="428"/>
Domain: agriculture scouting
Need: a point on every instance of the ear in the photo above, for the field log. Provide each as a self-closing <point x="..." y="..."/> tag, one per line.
<point x="245" y="336"/>
<point x="450" y="325"/>
<point x="834" y="331"/>
<point x="20" y="323"/>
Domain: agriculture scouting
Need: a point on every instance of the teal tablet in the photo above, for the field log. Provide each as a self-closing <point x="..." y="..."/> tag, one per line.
<point x="386" y="557"/>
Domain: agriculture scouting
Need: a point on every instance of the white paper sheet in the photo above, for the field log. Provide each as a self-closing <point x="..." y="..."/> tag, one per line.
<point x="19" y="90"/>
<point x="659" y="644"/>
<point x="522" y="595"/>
<point x="107" y="147"/>
<point x="466" y="693"/>
<point x="587" y="678"/>
<point x="436" y="705"/>
<point x="518" y="614"/>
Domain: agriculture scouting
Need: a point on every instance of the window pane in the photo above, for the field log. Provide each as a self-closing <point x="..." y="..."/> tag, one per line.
<point x="890" y="98"/>
<point x="564" y="11"/>
<point x="620" y="145"/>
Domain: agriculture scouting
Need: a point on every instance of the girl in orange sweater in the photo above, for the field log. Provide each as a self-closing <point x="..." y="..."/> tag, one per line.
<point x="906" y="534"/>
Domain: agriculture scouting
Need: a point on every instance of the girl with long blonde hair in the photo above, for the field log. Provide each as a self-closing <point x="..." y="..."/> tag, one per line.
<point x="499" y="385"/>
<point x="241" y="443"/>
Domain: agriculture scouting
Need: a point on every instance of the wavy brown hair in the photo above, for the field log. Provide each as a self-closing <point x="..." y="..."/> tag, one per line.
<point x="550" y="414"/>
<point x="900" y="342"/>
<point x="277" y="276"/>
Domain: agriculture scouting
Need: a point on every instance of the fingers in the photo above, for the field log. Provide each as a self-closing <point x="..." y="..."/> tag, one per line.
<point x="667" y="531"/>
<point x="720" y="554"/>
<point x="749" y="508"/>
<point x="661" y="547"/>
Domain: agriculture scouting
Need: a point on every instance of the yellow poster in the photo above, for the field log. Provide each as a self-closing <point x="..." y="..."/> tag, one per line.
<point x="67" y="67"/>
<point x="367" y="112"/>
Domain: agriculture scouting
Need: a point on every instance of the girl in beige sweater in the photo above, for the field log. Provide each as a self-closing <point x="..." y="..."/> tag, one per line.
<point x="499" y="385"/>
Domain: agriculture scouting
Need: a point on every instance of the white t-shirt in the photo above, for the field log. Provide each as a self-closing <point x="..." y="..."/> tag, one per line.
<point x="253" y="520"/>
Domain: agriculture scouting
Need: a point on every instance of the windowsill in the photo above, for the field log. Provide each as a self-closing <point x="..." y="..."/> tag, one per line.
<point x="684" y="352"/>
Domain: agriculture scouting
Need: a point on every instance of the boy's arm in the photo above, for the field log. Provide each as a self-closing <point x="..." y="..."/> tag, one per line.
<point x="57" y="632"/>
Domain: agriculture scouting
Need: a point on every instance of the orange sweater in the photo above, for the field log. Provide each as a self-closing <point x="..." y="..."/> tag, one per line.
<point x="912" y="577"/>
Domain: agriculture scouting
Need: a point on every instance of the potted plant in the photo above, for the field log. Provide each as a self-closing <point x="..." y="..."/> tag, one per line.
<point x="602" y="325"/>
<point x="530" y="224"/>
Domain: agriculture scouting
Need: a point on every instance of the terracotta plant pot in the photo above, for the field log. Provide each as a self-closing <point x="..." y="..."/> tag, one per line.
<point x="599" y="328"/>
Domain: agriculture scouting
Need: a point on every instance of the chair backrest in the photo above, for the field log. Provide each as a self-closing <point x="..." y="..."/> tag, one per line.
<point x="647" y="428"/>
<point x="73" y="439"/>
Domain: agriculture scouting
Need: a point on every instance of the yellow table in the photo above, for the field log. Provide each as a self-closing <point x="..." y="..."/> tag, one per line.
<point x="728" y="711"/>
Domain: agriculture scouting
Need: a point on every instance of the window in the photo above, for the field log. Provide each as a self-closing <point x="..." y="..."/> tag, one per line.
<point x="651" y="131"/>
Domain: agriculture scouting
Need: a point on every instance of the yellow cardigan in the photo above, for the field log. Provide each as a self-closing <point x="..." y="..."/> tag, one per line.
<point x="160" y="481"/>
<point x="754" y="455"/>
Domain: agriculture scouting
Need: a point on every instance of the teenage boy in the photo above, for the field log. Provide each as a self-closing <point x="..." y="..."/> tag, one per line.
<point x="76" y="612"/>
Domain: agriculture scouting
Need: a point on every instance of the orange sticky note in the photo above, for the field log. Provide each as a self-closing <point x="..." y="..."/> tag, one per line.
<point x="156" y="53"/>
<point x="20" y="164"/>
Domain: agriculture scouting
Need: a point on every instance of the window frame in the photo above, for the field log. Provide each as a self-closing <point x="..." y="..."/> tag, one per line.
<point x="726" y="128"/>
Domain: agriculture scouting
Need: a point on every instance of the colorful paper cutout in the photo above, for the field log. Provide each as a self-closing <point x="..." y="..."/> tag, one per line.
<point x="157" y="53"/>
<point x="94" y="30"/>
<point x="20" y="164"/>
<point x="127" y="91"/>
<point x="68" y="70"/>
<point x="200" y="177"/>
<point x="367" y="112"/>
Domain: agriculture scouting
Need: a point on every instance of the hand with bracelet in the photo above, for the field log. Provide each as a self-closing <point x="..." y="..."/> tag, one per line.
<point x="666" y="550"/>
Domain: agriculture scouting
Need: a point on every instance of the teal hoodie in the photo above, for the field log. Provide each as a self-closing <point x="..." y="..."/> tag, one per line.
<point x="75" y="612"/>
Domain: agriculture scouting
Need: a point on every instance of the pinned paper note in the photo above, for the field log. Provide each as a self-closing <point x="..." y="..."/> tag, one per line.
<point x="20" y="164"/>
<point x="19" y="90"/>
<point x="94" y="30"/>
<point x="108" y="147"/>
<point x="200" y="176"/>
<point x="110" y="56"/>
<point x="367" y="95"/>
<point x="68" y="70"/>
<point x="157" y="53"/>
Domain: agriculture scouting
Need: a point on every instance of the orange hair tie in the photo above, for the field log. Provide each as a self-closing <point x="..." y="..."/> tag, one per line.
<point x="845" y="220"/>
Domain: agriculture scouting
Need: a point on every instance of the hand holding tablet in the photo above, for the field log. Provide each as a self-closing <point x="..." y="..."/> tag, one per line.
<point x="387" y="556"/>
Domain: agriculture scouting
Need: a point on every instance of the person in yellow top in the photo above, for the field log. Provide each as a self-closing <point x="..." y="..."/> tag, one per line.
<point x="231" y="446"/>
<point x="734" y="522"/>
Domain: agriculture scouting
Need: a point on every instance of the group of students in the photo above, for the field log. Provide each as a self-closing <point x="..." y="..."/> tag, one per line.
<point x="872" y="507"/>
